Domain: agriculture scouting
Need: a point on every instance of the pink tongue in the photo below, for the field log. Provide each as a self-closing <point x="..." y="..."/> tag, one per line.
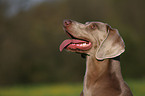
<point x="68" y="41"/>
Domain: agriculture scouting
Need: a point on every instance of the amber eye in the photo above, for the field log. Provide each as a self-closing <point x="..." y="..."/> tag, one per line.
<point x="94" y="26"/>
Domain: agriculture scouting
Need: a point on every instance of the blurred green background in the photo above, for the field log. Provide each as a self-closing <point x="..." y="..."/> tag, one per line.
<point x="31" y="32"/>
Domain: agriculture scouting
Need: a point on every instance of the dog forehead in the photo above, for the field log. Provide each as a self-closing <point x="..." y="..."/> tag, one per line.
<point x="99" y="24"/>
<point x="89" y="22"/>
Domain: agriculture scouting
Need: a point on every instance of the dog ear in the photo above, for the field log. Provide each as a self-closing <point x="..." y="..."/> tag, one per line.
<point x="112" y="46"/>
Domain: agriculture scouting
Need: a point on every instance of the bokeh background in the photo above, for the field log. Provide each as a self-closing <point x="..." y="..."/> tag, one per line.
<point x="31" y="32"/>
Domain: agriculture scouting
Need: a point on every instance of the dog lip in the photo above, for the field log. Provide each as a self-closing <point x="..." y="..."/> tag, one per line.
<point x="69" y="34"/>
<point x="80" y="44"/>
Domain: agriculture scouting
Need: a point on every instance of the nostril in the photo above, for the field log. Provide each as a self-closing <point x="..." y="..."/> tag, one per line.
<point x="67" y="22"/>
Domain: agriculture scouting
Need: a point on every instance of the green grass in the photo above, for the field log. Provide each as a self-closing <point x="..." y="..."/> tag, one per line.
<point x="42" y="90"/>
<point x="137" y="87"/>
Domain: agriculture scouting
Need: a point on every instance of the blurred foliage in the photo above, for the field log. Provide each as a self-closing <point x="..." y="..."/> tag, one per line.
<point x="30" y="40"/>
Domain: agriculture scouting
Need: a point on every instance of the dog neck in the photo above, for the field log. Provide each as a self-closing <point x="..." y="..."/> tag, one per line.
<point x="102" y="74"/>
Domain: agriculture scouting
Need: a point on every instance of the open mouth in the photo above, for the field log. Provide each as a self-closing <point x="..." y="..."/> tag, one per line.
<point x="75" y="44"/>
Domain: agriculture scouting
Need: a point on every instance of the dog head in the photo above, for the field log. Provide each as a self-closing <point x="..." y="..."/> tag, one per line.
<point x="93" y="38"/>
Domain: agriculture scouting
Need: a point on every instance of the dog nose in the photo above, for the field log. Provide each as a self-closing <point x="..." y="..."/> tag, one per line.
<point x="67" y="22"/>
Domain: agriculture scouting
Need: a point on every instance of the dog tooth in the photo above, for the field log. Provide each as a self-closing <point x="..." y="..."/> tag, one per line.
<point x="84" y="44"/>
<point x="78" y="44"/>
<point x="81" y="44"/>
<point x="73" y="44"/>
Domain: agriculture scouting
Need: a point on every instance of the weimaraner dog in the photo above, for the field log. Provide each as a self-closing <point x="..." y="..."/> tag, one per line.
<point x="102" y="46"/>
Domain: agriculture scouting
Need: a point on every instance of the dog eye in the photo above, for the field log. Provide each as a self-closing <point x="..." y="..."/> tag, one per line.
<point x="94" y="26"/>
<point x="87" y="23"/>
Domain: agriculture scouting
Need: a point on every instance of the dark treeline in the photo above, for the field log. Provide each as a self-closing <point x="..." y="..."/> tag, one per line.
<point x="29" y="41"/>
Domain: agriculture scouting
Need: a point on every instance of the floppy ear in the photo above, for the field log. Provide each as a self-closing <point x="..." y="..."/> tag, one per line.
<point x="112" y="46"/>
